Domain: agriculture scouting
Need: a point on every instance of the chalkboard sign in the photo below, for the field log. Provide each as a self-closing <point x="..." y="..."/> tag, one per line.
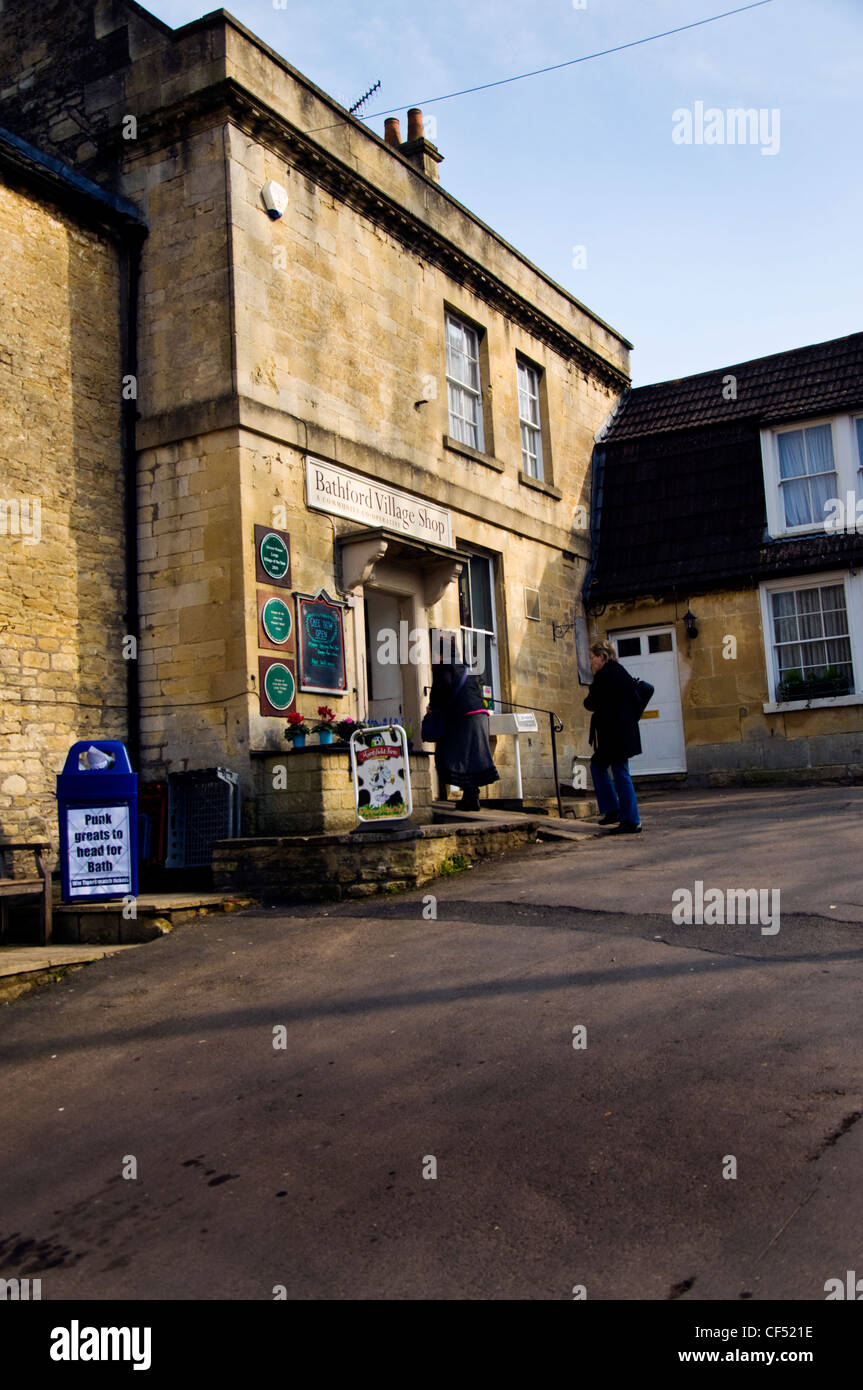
<point x="321" y="642"/>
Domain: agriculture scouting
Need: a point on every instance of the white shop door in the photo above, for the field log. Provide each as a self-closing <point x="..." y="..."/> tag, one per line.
<point x="651" y="655"/>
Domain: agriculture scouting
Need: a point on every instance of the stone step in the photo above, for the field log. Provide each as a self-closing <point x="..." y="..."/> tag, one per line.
<point x="155" y="915"/>
<point x="23" y="968"/>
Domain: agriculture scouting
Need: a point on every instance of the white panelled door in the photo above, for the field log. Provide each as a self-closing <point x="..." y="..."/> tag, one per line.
<point x="651" y="655"/>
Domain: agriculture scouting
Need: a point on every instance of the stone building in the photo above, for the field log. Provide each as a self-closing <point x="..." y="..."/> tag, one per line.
<point x="728" y="517"/>
<point x="67" y="480"/>
<point x="334" y="353"/>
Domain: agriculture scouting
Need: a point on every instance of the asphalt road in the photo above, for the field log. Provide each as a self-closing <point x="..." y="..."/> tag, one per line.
<point x="411" y="1039"/>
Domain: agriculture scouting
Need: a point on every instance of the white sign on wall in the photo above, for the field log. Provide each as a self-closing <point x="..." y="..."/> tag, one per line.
<point x="340" y="493"/>
<point x="99" y="848"/>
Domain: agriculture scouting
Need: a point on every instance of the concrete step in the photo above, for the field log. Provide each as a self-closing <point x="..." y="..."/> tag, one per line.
<point x="548" y="828"/>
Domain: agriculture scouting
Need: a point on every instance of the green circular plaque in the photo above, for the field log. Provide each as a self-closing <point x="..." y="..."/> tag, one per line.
<point x="279" y="686"/>
<point x="276" y="618"/>
<point x="274" y="555"/>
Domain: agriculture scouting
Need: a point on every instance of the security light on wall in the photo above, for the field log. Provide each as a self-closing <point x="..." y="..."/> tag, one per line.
<point x="275" y="199"/>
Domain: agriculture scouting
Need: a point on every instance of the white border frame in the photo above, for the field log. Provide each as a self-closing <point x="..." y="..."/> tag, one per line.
<point x="844" y="459"/>
<point x="852" y="584"/>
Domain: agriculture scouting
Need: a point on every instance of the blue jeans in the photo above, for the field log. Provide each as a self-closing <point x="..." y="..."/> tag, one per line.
<point x="620" y="797"/>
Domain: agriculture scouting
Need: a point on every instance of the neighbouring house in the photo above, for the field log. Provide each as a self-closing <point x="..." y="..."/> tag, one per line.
<point x="727" y="525"/>
<point x="361" y="416"/>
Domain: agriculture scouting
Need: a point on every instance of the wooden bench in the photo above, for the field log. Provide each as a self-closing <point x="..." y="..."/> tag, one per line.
<point x="27" y="887"/>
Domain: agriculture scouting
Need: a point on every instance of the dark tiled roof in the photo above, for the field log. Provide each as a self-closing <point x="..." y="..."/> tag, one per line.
<point x="678" y="489"/>
<point x="787" y="385"/>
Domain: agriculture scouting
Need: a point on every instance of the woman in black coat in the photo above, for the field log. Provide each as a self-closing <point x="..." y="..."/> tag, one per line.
<point x="462" y="753"/>
<point x="615" y="705"/>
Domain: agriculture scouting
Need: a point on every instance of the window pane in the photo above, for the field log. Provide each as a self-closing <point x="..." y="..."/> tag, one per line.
<point x="628" y="646"/>
<point x="659" y="642"/>
<point x="798" y="511"/>
<point x="463" y="384"/>
<point x="821" y="491"/>
<point x="463" y="416"/>
<point x="480" y="592"/>
<point x="792" y="454"/>
<point x="819" y="447"/>
<point x="815" y="635"/>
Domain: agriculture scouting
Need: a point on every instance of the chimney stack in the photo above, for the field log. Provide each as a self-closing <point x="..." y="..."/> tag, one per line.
<point x="420" y="151"/>
<point x="392" y="132"/>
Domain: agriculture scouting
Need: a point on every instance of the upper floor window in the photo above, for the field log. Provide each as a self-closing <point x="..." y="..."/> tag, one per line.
<point x="464" y="385"/>
<point x="809" y="470"/>
<point x="807" y="475"/>
<point x="530" y="420"/>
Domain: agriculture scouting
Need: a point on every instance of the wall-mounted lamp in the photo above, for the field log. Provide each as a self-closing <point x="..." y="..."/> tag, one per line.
<point x="690" y="623"/>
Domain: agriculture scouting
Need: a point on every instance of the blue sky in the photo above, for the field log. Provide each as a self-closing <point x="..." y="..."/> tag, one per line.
<point x="701" y="254"/>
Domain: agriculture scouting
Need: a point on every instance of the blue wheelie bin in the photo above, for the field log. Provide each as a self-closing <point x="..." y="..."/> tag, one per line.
<point x="97" y="807"/>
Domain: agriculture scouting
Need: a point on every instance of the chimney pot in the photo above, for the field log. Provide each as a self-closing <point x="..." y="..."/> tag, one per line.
<point x="392" y="132"/>
<point x="416" y="130"/>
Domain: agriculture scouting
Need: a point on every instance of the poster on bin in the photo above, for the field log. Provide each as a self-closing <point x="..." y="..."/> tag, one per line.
<point x="99" y="850"/>
<point x="382" y="780"/>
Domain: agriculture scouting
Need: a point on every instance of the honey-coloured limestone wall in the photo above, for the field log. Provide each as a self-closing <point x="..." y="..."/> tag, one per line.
<point x="62" y="552"/>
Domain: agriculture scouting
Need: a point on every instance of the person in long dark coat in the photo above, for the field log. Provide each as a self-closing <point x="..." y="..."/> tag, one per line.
<point x="462" y="755"/>
<point x="615" y="705"/>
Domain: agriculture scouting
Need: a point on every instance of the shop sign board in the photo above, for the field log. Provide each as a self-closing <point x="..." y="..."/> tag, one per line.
<point x="341" y="493"/>
<point x="381" y="771"/>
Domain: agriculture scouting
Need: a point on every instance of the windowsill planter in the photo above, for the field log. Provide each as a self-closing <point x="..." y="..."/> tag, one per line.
<point x="790" y="691"/>
<point x="822" y="702"/>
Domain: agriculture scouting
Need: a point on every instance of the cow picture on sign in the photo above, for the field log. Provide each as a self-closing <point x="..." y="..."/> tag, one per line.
<point x="381" y="778"/>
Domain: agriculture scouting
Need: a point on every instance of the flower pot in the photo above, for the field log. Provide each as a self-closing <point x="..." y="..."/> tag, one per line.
<point x="325" y="735"/>
<point x="299" y="740"/>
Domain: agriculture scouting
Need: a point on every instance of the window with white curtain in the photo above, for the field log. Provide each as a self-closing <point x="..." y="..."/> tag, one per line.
<point x="464" y="384"/>
<point x="530" y="420"/>
<point x="809" y="470"/>
<point x="807" y="476"/>
<point x="813" y="636"/>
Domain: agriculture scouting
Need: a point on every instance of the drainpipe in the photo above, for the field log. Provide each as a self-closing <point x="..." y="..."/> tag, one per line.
<point x="130" y="273"/>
